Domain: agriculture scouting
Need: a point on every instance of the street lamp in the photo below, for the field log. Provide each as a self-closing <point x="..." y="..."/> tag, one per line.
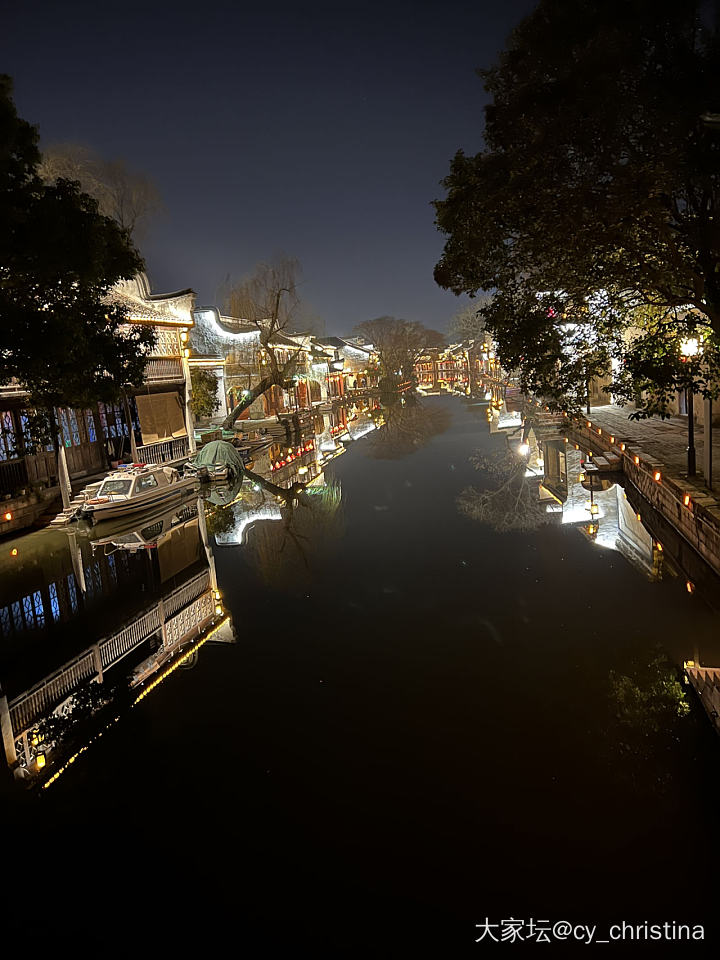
<point x="690" y="347"/>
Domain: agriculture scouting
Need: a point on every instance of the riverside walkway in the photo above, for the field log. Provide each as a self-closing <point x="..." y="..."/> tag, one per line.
<point x="665" y="440"/>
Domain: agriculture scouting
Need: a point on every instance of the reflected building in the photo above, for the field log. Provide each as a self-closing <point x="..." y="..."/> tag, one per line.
<point x="92" y="617"/>
<point x="596" y="504"/>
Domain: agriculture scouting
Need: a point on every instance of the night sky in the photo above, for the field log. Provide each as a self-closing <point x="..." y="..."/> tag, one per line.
<point x="320" y="130"/>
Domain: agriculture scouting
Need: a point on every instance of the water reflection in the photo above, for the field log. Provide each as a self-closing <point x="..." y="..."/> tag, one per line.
<point x="91" y="617"/>
<point x="538" y="476"/>
<point x="407" y="425"/>
<point x="457" y="696"/>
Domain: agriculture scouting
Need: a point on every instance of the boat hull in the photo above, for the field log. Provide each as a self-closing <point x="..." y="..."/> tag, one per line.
<point x="112" y="509"/>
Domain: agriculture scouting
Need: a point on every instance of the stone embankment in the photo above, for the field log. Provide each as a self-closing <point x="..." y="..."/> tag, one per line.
<point x="610" y="444"/>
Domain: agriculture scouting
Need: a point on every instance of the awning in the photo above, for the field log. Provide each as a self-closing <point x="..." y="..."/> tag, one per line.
<point x="161" y="416"/>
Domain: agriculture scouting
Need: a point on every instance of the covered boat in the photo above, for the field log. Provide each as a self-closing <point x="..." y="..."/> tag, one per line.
<point x="218" y="460"/>
<point x="135" y="488"/>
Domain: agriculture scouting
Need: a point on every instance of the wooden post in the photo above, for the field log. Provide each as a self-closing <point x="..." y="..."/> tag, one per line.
<point x="707" y="448"/>
<point x="64" y="477"/>
<point x="7" y="731"/>
<point x="131" y="429"/>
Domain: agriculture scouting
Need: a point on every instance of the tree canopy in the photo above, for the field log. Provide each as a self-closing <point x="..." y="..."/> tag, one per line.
<point x="598" y="188"/>
<point x="398" y="343"/>
<point x="60" y="337"/>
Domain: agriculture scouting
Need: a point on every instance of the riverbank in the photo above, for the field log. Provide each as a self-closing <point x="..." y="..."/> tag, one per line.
<point x="652" y="454"/>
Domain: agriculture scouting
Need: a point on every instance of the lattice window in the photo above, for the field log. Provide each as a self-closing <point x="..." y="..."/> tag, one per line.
<point x="17" y="616"/>
<point x="167" y="344"/>
<point x="64" y="432"/>
<point x="72" y="592"/>
<point x="8" y="444"/>
<point x="5" y="622"/>
<point x="39" y="609"/>
<point x="74" y="429"/>
<point x="96" y="577"/>
<point x="28" y="611"/>
<point x="112" y="420"/>
<point x="90" y="421"/>
<point x="54" y="602"/>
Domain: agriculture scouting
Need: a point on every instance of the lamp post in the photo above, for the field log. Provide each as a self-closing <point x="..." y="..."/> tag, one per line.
<point x="690" y="348"/>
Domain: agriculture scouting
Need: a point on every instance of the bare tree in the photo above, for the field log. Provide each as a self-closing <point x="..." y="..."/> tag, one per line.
<point x="312" y="522"/>
<point x="269" y="300"/>
<point x="510" y="502"/>
<point x="467" y="324"/>
<point x="399" y="343"/>
<point x="130" y="198"/>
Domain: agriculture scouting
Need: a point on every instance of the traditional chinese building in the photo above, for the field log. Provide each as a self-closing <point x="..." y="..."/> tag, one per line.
<point x="151" y="421"/>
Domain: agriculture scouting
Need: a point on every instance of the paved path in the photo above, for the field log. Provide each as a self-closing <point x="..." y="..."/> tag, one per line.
<point x="666" y="440"/>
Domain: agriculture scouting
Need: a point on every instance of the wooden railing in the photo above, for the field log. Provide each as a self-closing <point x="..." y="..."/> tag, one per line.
<point x="27" y="708"/>
<point x="164" y="452"/>
<point x="13" y="476"/>
<point x="165" y="369"/>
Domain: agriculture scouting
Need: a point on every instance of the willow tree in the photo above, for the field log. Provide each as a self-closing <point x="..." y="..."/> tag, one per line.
<point x="600" y="178"/>
<point x="268" y="299"/>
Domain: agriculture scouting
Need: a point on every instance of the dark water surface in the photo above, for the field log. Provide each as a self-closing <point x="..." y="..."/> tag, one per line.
<point x="415" y="731"/>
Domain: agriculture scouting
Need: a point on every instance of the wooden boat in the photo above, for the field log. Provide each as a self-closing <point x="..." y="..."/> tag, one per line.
<point x="134" y="489"/>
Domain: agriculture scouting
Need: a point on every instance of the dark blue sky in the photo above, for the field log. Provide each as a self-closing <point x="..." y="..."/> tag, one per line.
<point x="317" y="129"/>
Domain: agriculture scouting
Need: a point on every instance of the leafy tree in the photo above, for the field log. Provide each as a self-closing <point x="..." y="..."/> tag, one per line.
<point x="655" y="365"/>
<point x="600" y="180"/>
<point x="205" y="400"/>
<point x="61" y="337"/>
<point x="398" y="344"/>
<point x="269" y="300"/>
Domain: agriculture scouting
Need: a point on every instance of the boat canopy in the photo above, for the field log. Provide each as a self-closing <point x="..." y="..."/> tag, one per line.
<point x="218" y="453"/>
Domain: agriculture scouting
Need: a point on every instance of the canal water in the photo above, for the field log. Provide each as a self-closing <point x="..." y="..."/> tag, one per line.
<point x="421" y="722"/>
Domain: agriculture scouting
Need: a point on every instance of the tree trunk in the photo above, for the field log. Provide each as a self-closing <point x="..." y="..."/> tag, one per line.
<point x="257" y="391"/>
<point x="274" y="378"/>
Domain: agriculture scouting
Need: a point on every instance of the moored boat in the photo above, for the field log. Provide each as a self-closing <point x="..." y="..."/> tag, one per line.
<point x="135" y="488"/>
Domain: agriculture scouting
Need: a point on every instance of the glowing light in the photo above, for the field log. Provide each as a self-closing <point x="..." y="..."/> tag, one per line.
<point x="638" y="517"/>
<point x="658" y="476"/>
<point x="636" y="461"/>
<point x="622" y="447"/>
<point x="688" y="663"/>
<point x="690" y="347"/>
<point x="183" y="336"/>
<point x="14" y="552"/>
<point x="8" y="516"/>
<point x="40" y="761"/>
<point x="690" y="586"/>
<point x="659" y="547"/>
<point x="686" y="500"/>
<point x="612" y="439"/>
<point x="594" y="510"/>
<point x="524" y="449"/>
